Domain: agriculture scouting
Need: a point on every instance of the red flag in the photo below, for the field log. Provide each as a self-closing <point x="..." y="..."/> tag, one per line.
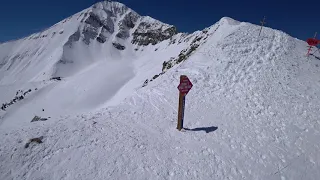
<point x="313" y="41"/>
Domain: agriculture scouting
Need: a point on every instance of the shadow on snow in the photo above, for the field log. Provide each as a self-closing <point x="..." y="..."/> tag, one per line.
<point x="206" y="129"/>
<point x="315" y="56"/>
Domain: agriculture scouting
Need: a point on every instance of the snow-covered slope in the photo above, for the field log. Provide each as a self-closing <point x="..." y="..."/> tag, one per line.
<point x="101" y="55"/>
<point x="252" y="113"/>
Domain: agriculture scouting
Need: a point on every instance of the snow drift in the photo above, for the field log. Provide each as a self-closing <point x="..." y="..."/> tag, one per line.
<point x="252" y="113"/>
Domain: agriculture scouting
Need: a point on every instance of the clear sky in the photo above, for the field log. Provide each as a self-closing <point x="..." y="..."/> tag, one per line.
<point x="301" y="19"/>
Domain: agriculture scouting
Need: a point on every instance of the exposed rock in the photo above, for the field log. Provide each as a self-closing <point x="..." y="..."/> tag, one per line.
<point x="56" y="78"/>
<point x="65" y="61"/>
<point x="37" y="140"/>
<point x="145" y="83"/>
<point x="166" y="65"/>
<point x="101" y="39"/>
<point x="155" y="76"/>
<point x="172" y="41"/>
<point x="127" y="23"/>
<point x="38" y="118"/>
<point x="73" y="38"/>
<point x="89" y="33"/>
<point x="118" y="46"/>
<point x="130" y="19"/>
<point x="144" y="35"/>
<point x="196" y="39"/>
<point x="91" y="29"/>
<point x="94" y="21"/>
<point x="25" y="93"/>
<point x="123" y="34"/>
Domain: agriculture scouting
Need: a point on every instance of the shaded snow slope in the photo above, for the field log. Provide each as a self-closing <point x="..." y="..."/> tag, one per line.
<point x="257" y="98"/>
<point x="101" y="55"/>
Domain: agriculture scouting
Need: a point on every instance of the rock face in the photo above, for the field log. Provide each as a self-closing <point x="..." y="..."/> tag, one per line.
<point x="118" y="46"/>
<point x="109" y="19"/>
<point x="146" y="33"/>
<point x="93" y="25"/>
<point x="74" y="37"/>
<point x="128" y="22"/>
<point x="102" y="22"/>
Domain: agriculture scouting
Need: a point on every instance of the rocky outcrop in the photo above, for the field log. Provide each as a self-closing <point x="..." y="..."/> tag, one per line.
<point x="20" y="95"/>
<point x="99" y="24"/>
<point x="145" y="35"/>
<point x="34" y="140"/>
<point x="92" y="28"/>
<point x="118" y="46"/>
<point x="94" y="21"/>
<point x="73" y="38"/>
<point x="127" y="23"/>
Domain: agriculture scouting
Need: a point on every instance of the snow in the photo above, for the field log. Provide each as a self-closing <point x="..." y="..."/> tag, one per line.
<point x="34" y="55"/>
<point x="252" y="112"/>
<point x="93" y="75"/>
<point x="155" y="23"/>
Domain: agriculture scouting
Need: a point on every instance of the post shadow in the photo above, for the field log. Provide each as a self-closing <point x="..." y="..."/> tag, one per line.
<point x="206" y="129"/>
<point x="315" y="56"/>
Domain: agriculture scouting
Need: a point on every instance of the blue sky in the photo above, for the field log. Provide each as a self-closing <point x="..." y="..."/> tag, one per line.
<point x="301" y="19"/>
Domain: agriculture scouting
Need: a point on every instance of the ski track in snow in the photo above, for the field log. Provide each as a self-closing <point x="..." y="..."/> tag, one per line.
<point x="259" y="93"/>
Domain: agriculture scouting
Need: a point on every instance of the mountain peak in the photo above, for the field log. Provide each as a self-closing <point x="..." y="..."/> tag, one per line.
<point x="111" y="3"/>
<point x="229" y="20"/>
<point x="103" y="81"/>
<point x="112" y="6"/>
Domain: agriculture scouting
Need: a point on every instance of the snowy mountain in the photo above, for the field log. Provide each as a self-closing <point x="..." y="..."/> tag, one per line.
<point x="100" y="54"/>
<point x="101" y="88"/>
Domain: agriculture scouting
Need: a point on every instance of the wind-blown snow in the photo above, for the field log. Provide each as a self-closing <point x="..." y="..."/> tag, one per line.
<point x="252" y="113"/>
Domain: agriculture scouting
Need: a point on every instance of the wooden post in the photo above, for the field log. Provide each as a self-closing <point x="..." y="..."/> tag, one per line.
<point x="310" y="47"/>
<point x="184" y="87"/>
<point x="309" y="50"/>
<point x="181" y="110"/>
<point x="262" y="23"/>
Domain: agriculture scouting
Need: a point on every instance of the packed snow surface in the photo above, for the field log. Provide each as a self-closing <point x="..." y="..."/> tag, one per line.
<point x="253" y="111"/>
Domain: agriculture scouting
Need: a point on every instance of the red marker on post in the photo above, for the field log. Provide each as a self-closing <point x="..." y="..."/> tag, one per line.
<point x="184" y="87"/>
<point x="312" y="42"/>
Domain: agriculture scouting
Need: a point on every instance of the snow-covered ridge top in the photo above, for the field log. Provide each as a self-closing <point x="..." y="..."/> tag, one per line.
<point x="229" y="20"/>
<point x="111" y="7"/>
<point x="149" y="19"/>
